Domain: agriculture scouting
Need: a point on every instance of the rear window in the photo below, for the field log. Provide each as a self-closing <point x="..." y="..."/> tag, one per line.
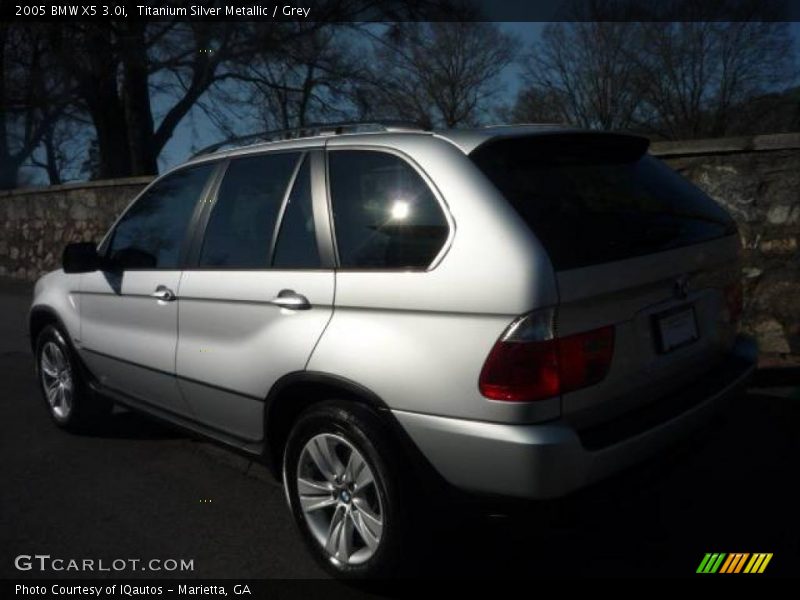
<point x="596" y="198"/>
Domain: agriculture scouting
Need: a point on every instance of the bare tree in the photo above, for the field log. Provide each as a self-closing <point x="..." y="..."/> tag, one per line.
<point x="693" y="75"/>
<point x="438" y="74"/>
<point x="581" y="73"/>
<point x="669" y="79"/>
<point x="32" y="95"/>
<point x="136" y="81"/>
<point x="63" y="147"/>
<point x="311" y="80"/>
<point x="114" y="65"/>
<point x="123" y="67"/>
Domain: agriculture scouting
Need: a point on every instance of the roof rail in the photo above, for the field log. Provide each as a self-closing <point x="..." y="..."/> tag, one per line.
<point x="542" y="125"/>
<point x="310" y="130"/>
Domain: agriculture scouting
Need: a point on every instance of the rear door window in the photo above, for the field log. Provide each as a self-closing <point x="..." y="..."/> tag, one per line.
<point x="296" y="246"/>
<point x="597" y="198"/>
<point x="242" y="222"/>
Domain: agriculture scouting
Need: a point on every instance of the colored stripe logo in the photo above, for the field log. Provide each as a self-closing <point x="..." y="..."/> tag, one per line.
<point x="737" y="562"/>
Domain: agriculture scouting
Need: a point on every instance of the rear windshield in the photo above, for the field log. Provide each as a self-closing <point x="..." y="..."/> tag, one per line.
<point x="596" y="198"/>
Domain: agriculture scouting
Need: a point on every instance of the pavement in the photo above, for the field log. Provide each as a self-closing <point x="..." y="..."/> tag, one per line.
<point x="141" y="490"/>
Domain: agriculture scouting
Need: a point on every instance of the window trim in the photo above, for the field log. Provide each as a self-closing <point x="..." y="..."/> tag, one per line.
<point x="443" y="206"/>
<point x="104" y="246"/>
<point x="321" y="206"/>
<point x="282" y="208"/>
<point x="204" y="214"/>
<point x="314" y="154"/>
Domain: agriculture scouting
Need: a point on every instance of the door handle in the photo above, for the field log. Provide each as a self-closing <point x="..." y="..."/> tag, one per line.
<point x="291" y="299"/>
<point x="164" y="293"/>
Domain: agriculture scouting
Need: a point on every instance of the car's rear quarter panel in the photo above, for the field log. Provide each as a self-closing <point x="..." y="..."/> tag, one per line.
<point x="419" y="339"/>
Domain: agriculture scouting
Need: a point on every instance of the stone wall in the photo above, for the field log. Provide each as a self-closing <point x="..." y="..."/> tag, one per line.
<point x="756" y="178"/>
<point x="38" y="222"/>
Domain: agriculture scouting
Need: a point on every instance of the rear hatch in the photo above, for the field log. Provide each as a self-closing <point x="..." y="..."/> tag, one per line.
<point x="634" y="245"/>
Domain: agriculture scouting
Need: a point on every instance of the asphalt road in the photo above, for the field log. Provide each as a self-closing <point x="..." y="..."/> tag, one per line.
<point x="142" y="490"/>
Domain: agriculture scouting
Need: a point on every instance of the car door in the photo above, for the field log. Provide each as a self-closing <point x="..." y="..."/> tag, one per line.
<point x="258" y="292"/>
<point x="129" y="312"/>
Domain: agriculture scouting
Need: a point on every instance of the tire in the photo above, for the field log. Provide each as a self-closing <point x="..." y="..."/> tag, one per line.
<point x="352" y="434"/>
<point x="69" y="401"/>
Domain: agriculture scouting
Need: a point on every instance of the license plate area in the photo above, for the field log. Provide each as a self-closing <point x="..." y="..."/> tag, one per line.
<point x="675" y="328"/>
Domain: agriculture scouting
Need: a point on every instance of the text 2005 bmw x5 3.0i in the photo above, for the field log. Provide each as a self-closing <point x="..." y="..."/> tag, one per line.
<point x="508" y="311"/>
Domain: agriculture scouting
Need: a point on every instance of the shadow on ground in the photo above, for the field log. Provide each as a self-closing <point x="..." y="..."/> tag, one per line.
<point x="128" y="425"/>
<point x="139" y="489"/>
<point x="732" y="487"/>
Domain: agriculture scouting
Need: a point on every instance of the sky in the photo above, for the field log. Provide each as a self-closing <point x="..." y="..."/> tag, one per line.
<point x="196" y="132"/>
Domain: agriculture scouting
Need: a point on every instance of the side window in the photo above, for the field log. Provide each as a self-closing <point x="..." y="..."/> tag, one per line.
<point x="384" y="213"/>
<point x="296" y="246"/>
<point x="239" y="232"/>
<point x="150" y="233"/>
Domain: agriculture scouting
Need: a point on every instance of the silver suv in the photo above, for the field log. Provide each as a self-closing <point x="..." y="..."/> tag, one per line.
<point x="377" y="310"/>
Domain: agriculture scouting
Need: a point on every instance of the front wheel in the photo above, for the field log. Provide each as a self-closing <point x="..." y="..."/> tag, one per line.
<point x="69" y="401"/>
<point x="342" y="477"/>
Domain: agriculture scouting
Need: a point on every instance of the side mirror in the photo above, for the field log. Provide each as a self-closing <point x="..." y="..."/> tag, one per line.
<point x="80" y="257"/>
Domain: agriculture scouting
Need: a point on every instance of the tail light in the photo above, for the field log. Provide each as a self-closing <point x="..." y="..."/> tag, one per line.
<point x="529" y="362"/>
<point x="734" y="301"/>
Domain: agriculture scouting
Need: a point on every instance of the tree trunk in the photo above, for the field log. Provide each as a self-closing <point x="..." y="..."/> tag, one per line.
<point x="136" y="100"/>
<point x="98" y="88"/>
<point x="53" y="172"/>
<point x="112" y="138"/>
<point x="9" y="172"/>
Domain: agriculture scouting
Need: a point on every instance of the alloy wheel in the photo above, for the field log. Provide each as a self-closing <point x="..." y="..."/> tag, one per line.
<point x="340" y="499"/>
<point x="57" y="380"/>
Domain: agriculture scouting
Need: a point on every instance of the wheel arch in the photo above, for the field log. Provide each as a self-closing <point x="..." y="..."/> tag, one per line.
<point x="295" y="392"/>
<point x="40" y="317"/>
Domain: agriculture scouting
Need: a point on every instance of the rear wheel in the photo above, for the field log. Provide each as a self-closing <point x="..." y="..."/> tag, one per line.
<point x="342" y="476"/>
<point x="69" y="401"/>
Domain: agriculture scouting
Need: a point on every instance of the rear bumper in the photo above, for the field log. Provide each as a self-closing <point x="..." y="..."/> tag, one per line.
<point x="552" y="459"/>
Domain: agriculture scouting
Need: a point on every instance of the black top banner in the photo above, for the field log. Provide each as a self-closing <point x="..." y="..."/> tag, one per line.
<point x="405" y="10"/>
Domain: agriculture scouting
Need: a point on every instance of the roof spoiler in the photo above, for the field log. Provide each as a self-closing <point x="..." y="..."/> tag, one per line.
<point x="574" y="146"/>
